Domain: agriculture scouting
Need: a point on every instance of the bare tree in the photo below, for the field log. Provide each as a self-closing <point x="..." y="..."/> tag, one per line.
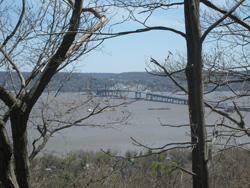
<point x="42" y="37"/>
<point x="227" y="68"/>
<point x="194" y="69"/>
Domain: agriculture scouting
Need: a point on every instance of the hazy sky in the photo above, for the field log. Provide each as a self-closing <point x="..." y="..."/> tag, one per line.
<point x="130" y="53"/>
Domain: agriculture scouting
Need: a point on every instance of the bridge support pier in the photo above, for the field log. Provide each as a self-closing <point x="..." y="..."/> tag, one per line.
<point x="137" y="95"/>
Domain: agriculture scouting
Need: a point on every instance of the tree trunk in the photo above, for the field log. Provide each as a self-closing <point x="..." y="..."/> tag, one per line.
<point x="195" y="93"/>
<point x="7" y="175"/>
<point x="191" y="106"/>
<point x="20" y="146"/>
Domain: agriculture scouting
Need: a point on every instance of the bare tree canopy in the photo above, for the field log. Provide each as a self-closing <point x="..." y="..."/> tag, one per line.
<point x="43" y="38"/>
<point x="200" y="69"/>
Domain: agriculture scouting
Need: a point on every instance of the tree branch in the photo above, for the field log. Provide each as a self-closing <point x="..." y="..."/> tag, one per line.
<point x="7" y="97"/>
<point x="65" y="50"/>
<point x="14" y="66"/>
<point x="220" y="20"/>
<point x="57" y="59"/>
<point x="17" y="25"/>
<point x="81" y="40"/>
<point x="223" y="11"/>
<point x="93" y="11"/>
<point x="168" y="74"/>
<point x="240" y="124"/>
<point x="149" y="29"/>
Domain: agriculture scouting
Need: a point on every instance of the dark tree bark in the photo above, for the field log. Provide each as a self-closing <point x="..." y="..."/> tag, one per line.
<point x="195" y="93"/>
<point x="20" y="146"/>
<point x="7" y="175"/>
<point x="191" y="99"/>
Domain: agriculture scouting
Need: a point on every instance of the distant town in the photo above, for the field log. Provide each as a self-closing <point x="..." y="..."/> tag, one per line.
<point x="85" y="82"/>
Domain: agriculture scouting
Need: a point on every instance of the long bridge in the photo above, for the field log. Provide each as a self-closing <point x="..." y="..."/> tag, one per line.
<point x="161" y="98"/>
<point x="139" y="96"/>
<point x="155" y="97"/>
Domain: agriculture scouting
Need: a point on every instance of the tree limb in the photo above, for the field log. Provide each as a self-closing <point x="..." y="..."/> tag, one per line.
<point x="7" y="97"/>
<point x="240" y="124"/>
<point x="17" y="25"/>
<point x="81" y="40"/>
<point x="223" y="11"/>
<point x="168" y="74"/>
<point x="57" y="59"/>
<point x="93" y="11"/>
<point x="220" y="20"/>
<point x="15" y="67"/>
<point x="149" y="29"/>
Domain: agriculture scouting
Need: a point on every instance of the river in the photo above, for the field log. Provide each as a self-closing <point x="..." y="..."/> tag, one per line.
<point x="143" y="125"/>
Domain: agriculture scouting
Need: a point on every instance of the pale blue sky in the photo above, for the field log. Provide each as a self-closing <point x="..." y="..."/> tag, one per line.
<point x="129" y="53"/>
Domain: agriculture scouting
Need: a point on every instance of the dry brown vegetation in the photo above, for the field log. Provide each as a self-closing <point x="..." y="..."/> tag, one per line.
<point x="228" y="169"/>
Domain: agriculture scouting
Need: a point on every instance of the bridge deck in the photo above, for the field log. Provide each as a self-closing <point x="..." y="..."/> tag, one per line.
<point x="148" y="96"/>
<point x="155" y="97"/>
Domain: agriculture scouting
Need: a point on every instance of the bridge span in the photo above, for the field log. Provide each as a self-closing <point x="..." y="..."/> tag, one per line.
<point x="159" y="98"/>
<point x="142" y="96"/>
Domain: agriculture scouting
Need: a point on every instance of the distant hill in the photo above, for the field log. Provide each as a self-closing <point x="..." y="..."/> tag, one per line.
<point x="133" y="76"/>
<point x="94" y="81"/>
